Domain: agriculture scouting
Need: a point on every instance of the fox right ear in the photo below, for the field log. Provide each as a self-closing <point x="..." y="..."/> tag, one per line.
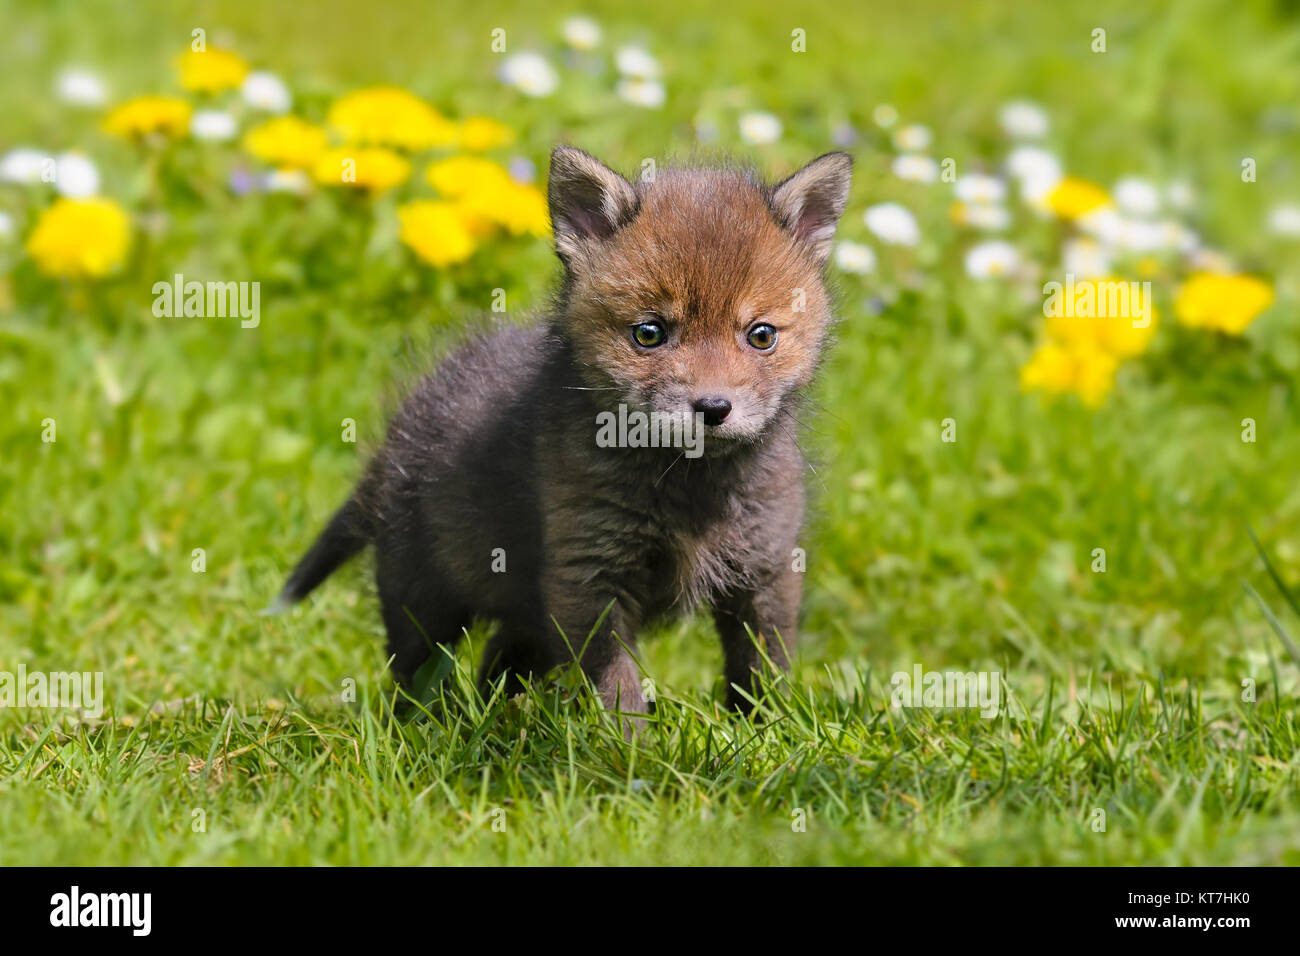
<point x="588" y="200"/>
<point x="811" y="201"/>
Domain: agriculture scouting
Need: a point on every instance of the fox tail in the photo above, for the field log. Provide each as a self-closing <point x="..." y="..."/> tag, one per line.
<point x="348" y="532"/>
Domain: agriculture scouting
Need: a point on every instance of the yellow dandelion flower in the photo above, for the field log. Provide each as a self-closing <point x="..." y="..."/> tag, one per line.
<point x="478" y="134"/>
<point x="1225" y="303"/>
<point x="479" y="226"/>
<point x="287" y="142"/>
<point x="1083" y="371"/>
<point x="464" y="175"/>
<point x="436" y="231"/>
<point x="80" y="238"/>
<point x="391" y="116"/>
<point x="1108" y="314"/>
<point x="486" y="196"/>
<point x="1048" y="369"/>
<point x="372" y="168"/>
<point x="1073" y="197"/>
<point x="210" y="71"/>
<point x="144" y="115"/>
<point x="518" y="208"/>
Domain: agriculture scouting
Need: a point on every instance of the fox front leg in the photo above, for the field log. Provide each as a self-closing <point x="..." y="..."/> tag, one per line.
<point x="606" y="657"/>
<point x="771" y="611"/>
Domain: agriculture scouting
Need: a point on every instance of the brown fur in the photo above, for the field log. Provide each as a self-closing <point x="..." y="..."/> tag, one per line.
<point x="703" y="251"/>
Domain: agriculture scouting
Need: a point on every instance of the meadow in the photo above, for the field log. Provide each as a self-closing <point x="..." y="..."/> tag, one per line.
<point x="1068" y="504"/>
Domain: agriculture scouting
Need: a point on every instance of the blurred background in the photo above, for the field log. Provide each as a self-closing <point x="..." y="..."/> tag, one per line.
<point x="160" y="471"/>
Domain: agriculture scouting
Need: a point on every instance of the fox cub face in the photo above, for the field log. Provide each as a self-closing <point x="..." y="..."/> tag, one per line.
<point x="700" y="292"/>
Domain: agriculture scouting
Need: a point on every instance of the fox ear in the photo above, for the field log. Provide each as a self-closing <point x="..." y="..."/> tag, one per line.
<point x="588" y="200"/>
<point x="811" y="201"/>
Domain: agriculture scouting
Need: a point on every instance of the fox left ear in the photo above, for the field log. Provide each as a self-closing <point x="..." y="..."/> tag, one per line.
<point x="811" y="201"/>
<point x="588" y="200"/>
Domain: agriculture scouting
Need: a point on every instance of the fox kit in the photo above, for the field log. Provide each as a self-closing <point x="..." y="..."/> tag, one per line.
<point x="696" y="299"/>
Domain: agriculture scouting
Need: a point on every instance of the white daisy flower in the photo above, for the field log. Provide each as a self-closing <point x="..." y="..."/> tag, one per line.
<point x="1022" y="119"/>
<point x="1037" y="171"/>
<point x="81" y="88"/>
<point x="854" y="257"/>
<point x="913" y="138"/>
<point x="1180" y="195"/>
<point x="1284" y="220"/>
<point x="988" y="217"/>
<point x="1085" y="258"/>
<point x="759" y="128"/>
<point x="213" y="126"/>
<point x="991" y="259"/>
<point x="1142" y="236"/>
<point x="6" y="226"/>
<point x="1137" y="196"/>
<point x="1211" y="260"/>
<point x="884" y="116"/>
<point x="637" y="62"/>
<point x="977" y="187"/>
<point x="1179" y="236"/>
<point x="581" y="33"/>
<point x="293" y="181"/>
<point x="893" y="223"/>
<point x="1137" y="236"/>
<point x="1105" y="225"/>
<point x="26" y="165"/>
<point x="530" y="73"/>
<point x="75" y="176"/>
<point x="915" y="168"/>
<point x="265" y="91"/>
<point x="1034" y="163"/>
<point x="647" y="93"/>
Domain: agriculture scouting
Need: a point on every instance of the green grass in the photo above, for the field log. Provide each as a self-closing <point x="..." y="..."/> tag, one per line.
<point x="1126" y="686"/>
<point x="830" y="776"/>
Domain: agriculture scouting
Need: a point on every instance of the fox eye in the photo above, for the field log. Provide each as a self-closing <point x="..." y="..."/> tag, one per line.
<point x="762" y="337"/>
<point x="649" y="334"/>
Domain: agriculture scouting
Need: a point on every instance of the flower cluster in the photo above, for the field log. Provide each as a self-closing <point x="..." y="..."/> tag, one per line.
<point x="639" y="73"/>
<point x="1092" y="326"/>
<point x="445" y="186"/>
<point x="370" y="141"/>
<point x="1112" y="244"/>
<point x="478" y="199"/>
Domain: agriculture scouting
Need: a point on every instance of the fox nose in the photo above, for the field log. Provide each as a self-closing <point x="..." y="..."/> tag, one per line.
<point x="715" y="409"/>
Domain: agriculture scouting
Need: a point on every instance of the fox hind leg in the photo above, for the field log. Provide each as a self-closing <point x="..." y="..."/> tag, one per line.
<point x="420" y="617"/>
